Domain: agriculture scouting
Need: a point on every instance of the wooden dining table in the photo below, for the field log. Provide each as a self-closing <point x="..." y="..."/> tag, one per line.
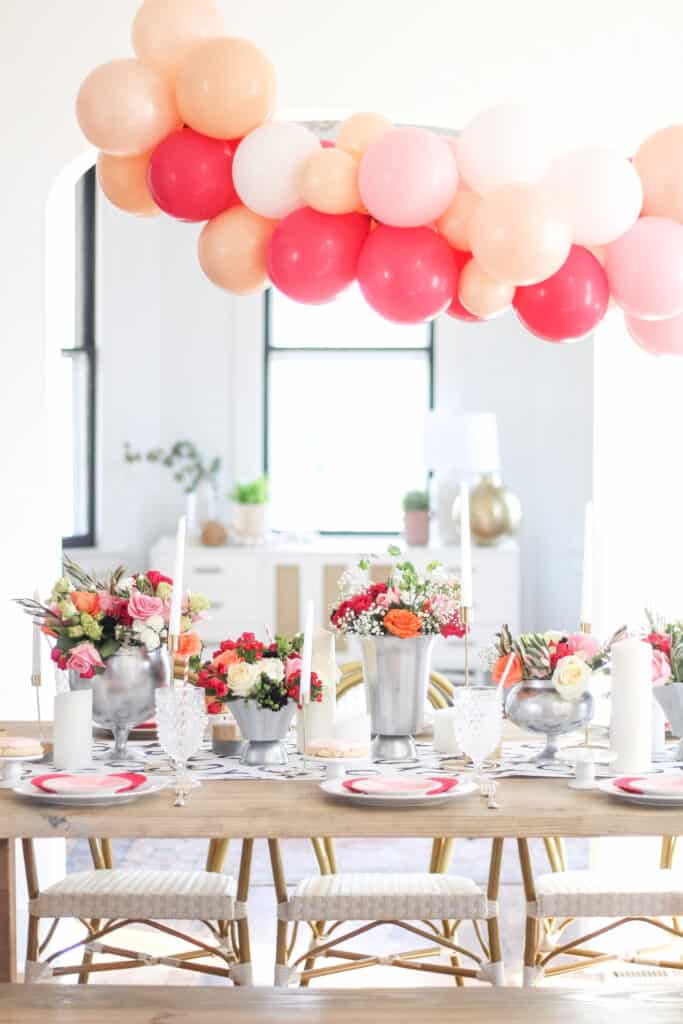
<point x="295" y="809"/>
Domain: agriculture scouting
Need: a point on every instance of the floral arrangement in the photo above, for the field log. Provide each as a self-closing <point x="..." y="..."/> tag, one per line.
<point x="247" y="669"/>
<point x="407" y="605"/>
<point x="90" y="620"/>
<point x="666" y="640"/>
<point x="568" y="659"/>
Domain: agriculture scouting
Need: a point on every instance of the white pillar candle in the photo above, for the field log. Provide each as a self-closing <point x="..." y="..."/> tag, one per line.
<point x="35" y="663"/>
<point x="465" y="547"/>
<point x="178" y="572"/>
<point x="587" y="575"/>
<point x="444" y="732"/>
<point x="320" y="716"/>
<point x="631" y="720"/>
<point x="658" y="727"/>
<point x="72" y="736"/>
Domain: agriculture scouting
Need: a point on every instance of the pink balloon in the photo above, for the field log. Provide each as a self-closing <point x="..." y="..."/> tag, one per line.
<point x="407" y="276"/>
<point x="313" y="256"/>
<point x="658" y="337"/>
<point x="408" y="177"/>
<point x="645" y="269"/>
<point x="456" y="308"/>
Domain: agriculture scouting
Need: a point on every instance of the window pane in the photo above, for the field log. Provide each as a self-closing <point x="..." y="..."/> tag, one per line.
<point x="346" y="438"/>
<point x="73" y="511"/>
<point x="348" y="322"/>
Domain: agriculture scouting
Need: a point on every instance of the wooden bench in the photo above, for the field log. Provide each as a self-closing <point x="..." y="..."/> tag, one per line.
<point x="58" y="1004"/>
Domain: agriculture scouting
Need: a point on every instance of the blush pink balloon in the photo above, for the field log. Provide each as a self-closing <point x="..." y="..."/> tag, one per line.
<point x="407" y="275"/>
<point x="166" y="31"/>
<point x="456" y="308"/>
<point x="408" y="177"/>
<point x="658" y="337"/>
<point x="645" y="269"/>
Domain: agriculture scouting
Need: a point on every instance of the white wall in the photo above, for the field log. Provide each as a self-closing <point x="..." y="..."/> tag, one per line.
<point x="614" y="65"/>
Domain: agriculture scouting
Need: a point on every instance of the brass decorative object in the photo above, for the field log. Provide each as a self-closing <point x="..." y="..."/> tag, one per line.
<point x="494" y="511"/>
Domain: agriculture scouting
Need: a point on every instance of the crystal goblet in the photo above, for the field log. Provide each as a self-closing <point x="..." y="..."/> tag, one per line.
<point x="181" y="721"/>
<point x="478" y="722"/>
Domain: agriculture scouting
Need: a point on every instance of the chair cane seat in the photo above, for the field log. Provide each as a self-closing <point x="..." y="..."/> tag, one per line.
<point x="386" y="897"/>
<point x="141" y="893"/>
<point x="609" y="894"/>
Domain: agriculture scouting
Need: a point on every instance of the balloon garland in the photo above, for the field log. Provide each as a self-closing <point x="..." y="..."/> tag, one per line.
<point x="426" y="224"/>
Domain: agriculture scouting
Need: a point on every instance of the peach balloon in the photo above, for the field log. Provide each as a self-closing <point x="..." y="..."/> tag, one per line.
<point x="126" y="108"/>
<point x="454" y="224"/>
<point x="165" y="31"/>
<point x="226" y="88"/>
<point x="232" y="250"/>
<point x="481" y="294"/>
<point x="359" y="130"/>
<point x="659" y="162"/>
<point x="519" y="235"/>
<point x="123" y="179"/>
<point x="329" y="182"/>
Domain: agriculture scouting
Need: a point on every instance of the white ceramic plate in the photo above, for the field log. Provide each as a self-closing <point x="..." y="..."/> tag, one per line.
<point x="644" y="799"/>
<point x="336" y="788"/>
<point x="25" y="788"/>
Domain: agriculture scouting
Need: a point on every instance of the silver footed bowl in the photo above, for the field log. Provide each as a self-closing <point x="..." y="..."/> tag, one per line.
<point x="535" y="705"/>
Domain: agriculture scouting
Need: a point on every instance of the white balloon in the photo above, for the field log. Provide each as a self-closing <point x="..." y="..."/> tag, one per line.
<point x="600" y="191"/>
<point x="267" y="167"/>
<point x="503" y="145"/>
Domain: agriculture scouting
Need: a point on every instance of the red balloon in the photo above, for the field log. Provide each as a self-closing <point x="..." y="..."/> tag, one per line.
<point x="327" y="144"/>
<point x="190" y="175"/>
<point x="313" y="256"/>
<point x="408" y="275"/>
<point x="456" y="308"/>
<point x="569" y="304"/>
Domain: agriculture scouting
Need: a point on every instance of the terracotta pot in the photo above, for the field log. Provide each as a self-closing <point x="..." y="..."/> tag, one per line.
<point x="416" y="527"/>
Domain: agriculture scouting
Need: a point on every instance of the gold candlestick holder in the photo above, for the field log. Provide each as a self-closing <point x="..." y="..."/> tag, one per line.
<point x="36" y="682"/>
<point x="173" y="644"/>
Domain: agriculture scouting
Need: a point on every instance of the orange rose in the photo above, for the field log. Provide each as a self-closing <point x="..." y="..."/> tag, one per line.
<point x="402" y="623"/>
<point x="224" y="660"/>
<point x="515" y="674"/>
<point x="189" y="644"/>
<point x="86" y="601"/>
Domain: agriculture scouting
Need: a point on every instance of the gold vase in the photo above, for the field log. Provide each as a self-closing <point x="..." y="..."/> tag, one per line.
<point x="494" y="511"/>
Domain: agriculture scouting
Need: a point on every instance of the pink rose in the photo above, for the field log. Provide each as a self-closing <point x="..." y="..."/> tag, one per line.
<point x="142" y="607"/>
<point x="292" y="666"/>
<point x="661" y="668"/>
<point x="583" y="644"/>
<point x="388" y="599"/>
<point x="84" y="659"/>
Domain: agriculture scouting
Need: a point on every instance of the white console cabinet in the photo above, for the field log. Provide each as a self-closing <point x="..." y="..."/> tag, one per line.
<point x="254" y="588"/>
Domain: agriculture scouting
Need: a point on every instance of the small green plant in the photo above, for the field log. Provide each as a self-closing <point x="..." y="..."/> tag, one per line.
<point x="416" y="501"/>
<point x="254" y="493"/>
<point x="183" y="458"/>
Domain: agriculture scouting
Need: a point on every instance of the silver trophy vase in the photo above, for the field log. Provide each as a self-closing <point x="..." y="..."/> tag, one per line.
<point x="263" y="731"/>
<point x="396" y="674"/>
<point x="123" y="695"/>
<point x="535" y="705"/>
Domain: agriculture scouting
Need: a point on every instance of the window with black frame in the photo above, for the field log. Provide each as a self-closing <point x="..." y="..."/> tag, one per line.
<point x="77" y="377"/>
<point x="346" y="396"/>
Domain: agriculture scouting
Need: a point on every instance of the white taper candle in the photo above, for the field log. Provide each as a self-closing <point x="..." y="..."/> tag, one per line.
<point x="178" y="571"/>
<point x="465" y="547"/>
<point x="35" y="664"/>
<point x="586" y="617"/>
<point x="307" y="655"/>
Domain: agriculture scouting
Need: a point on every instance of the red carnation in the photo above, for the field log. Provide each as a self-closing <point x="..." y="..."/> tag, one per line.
<point x="219" y="687"/>
<point x="454" y="628"/>
<point x="215" y="708"/>
<point x="660" y="642"/>
<point x="560" y="651"/>
<point x="155" y="578"/>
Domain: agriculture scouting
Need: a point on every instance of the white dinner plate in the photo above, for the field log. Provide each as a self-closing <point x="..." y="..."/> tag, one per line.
<point x="643" y="799"/>
<point x="336" y="788"/>
<point x="25" y="788"/>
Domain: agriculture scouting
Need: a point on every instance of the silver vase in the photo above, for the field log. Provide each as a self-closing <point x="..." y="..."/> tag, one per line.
<point x="123" y="696"/>
<point x="263" y="731"/>
<point x="670" y="699"/>
<point x="396" y="674"/>
<point x="535" y="705"/>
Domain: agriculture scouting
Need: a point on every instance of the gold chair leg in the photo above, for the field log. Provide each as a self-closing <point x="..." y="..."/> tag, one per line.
<point x="532" y="930"/>
<point x="495" y="948"/>
<point x="244" y="951"/>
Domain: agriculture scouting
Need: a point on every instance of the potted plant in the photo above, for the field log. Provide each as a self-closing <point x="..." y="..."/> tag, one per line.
<point x="109" y="636"/>
<point x="416" y="518"/>
<point x="250" y="501"/>
<point x="261" y="683"/>
<point x="192" y="472"/>
<point x="396" y="622"/>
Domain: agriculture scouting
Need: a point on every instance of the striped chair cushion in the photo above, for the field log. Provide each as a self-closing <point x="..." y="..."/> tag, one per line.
<point x="385" y="897"/>
<point x="608" y="894"/>
<point x="158" y="895"/>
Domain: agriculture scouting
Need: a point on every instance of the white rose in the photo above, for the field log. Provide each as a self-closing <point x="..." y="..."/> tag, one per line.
<point x="272" y="667"/>
<point x="155" y="622"/>
<point x="242" y="677"/>
<point x="571" y="677"/>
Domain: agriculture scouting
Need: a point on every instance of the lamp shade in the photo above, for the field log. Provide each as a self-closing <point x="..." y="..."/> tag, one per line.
<point x="466" y="443"/>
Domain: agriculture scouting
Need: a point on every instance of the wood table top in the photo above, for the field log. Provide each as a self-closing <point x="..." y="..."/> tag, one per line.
<point x="56" y="1004"/>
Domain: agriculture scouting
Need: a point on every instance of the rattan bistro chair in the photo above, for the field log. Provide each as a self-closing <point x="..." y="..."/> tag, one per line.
<point x="106" y="899"/>
<point x="557" y="899"/>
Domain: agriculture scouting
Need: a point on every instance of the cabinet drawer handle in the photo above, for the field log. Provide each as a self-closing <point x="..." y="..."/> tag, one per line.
<point x="207" y="570"/>
<point x="217" y="604"/>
